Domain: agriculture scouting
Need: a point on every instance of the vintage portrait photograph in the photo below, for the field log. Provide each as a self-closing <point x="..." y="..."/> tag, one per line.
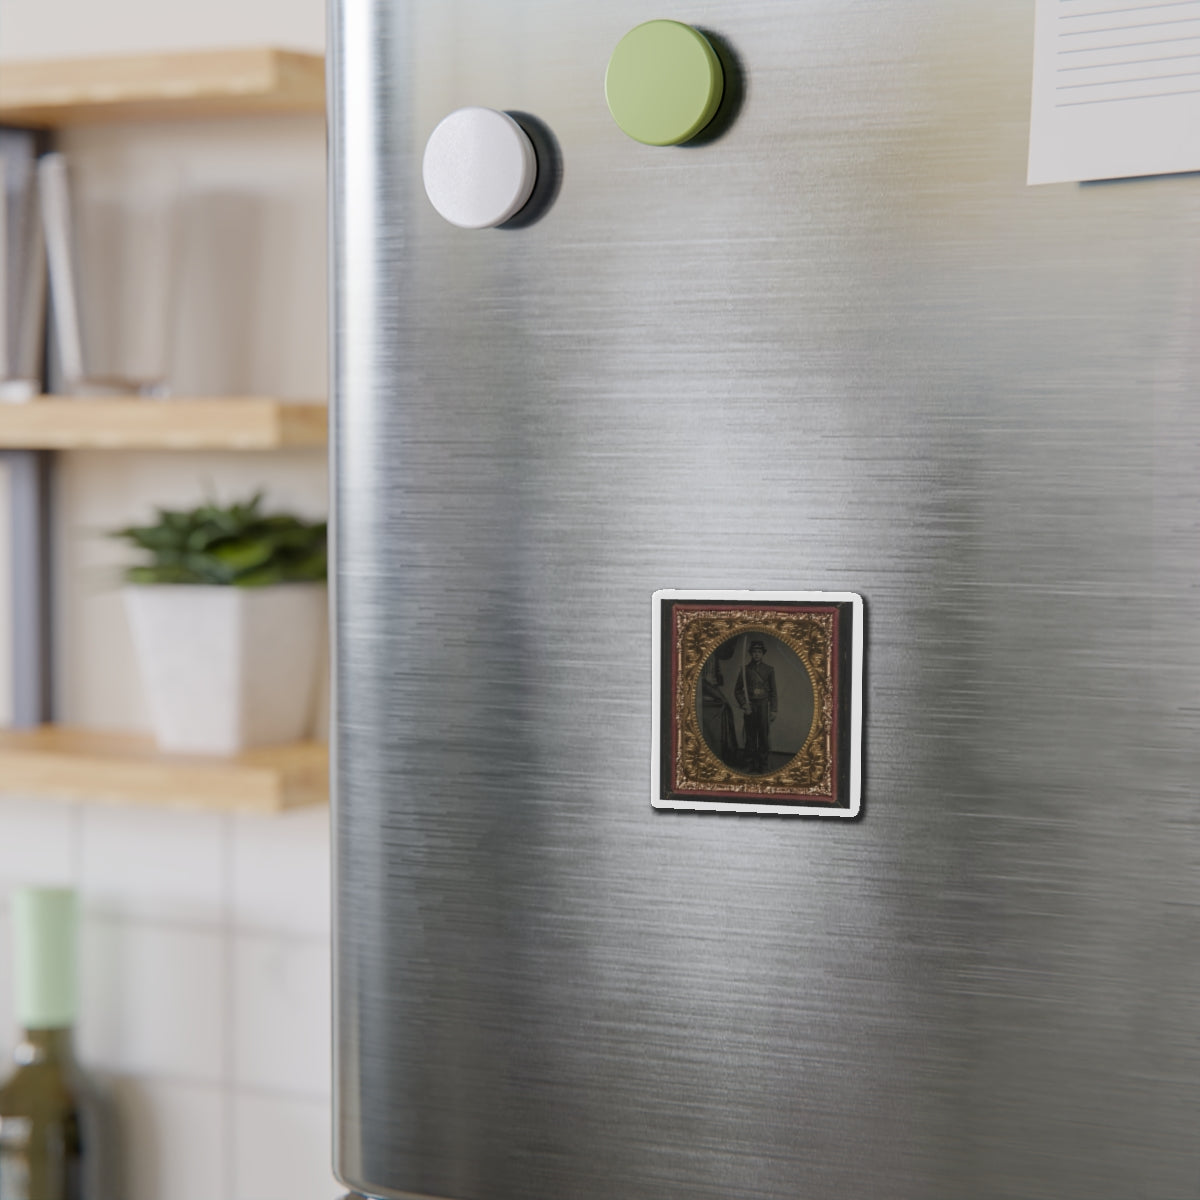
<point x="758" y="702"/>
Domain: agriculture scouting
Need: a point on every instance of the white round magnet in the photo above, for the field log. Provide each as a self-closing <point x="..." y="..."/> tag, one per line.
<point x="479" y="168"/>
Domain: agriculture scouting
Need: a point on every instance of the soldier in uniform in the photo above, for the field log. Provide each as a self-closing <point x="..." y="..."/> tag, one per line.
<point x="755" y="692"/>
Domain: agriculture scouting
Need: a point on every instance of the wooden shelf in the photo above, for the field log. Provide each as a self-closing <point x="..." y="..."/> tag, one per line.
<point x="229" y="423"/>
<point x="215" y="83"/>
<point x="79" y="764"/>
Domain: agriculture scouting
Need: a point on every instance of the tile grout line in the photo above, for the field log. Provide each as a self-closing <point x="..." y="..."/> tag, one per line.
<point x="317" y="1100"/>
<point x="198" y="925"/>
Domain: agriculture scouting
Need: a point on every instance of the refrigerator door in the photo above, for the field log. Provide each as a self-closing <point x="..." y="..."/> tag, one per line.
<point x="841" y="346"/>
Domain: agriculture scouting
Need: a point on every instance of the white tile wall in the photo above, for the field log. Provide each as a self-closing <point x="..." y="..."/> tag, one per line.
<point x="156" y="1000"/>
<point x="281" y="872"/>
<point x="154" y="864"/>
<point x="282" y="1150"/>
<point x="205" y="979"/>
<point x="282" y="1015"/>
<point x="38" y="843"/>
<point x="171" y="1141"/>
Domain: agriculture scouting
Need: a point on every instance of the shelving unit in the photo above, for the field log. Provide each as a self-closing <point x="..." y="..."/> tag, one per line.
<point x="227" y="423"/>
<point x="219" y="83"/>
<point x="81" y="764"/>
<point x="48" y="760"/>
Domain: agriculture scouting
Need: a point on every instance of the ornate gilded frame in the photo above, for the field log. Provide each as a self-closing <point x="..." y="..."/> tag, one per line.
<point x="824" y="630"/>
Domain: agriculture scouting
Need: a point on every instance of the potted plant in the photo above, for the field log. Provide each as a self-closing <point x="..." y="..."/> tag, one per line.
<point x="228" y="622"/>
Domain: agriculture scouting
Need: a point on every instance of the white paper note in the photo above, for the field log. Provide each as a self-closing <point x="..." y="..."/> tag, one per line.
<point x="1116" y="89"/>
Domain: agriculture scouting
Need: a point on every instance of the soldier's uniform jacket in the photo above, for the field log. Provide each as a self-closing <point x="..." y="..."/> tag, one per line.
<point x="760" y="678"/>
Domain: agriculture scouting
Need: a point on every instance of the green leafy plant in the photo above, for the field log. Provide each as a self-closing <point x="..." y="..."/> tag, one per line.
<point x="238" y="546"/>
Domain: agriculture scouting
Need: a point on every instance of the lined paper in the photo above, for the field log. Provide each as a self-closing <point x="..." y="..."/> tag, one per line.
<point x="1116" y="89"/>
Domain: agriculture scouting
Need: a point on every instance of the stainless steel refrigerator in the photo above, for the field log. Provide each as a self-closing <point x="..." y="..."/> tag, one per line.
<point x="833" y="343"/>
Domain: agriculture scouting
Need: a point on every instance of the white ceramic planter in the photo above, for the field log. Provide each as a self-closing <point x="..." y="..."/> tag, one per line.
<point x="227" y="668"/>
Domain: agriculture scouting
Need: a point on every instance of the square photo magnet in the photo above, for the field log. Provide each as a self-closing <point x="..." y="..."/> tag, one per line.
<point x="758" y="702"/>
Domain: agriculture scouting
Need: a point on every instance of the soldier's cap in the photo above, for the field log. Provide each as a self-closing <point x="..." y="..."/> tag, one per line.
<point x="758" y="646"/>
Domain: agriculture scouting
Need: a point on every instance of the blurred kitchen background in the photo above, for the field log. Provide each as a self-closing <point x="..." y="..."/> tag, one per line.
<point x="205" y="955"/>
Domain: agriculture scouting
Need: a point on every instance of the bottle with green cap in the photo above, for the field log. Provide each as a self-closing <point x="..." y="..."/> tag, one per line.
<point x="44" y="1150"/>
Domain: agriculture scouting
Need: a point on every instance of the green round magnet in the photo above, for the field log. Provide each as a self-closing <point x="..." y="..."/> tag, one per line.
<point x="664" y="83"/>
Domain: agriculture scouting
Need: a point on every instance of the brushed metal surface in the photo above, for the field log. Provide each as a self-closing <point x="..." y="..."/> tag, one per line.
<point x="842" y="346"/>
